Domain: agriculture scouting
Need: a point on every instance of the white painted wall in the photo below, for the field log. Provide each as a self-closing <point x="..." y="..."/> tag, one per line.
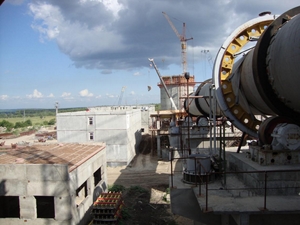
<point x="119" y="129"/>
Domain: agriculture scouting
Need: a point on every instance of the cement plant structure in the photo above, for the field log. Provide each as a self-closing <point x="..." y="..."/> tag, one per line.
<point x="254" y="90"/>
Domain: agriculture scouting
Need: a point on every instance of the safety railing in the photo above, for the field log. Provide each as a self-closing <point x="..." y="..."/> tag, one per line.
<point x="261" y="190"/>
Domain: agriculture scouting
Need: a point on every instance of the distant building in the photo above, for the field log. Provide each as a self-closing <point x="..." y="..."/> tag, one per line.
<point x="120" y="128"/>
<point x="51" y="184"/>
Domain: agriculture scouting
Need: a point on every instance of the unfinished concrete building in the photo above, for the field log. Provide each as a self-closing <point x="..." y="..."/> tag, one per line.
<point x="177" y="87"/>
<point x="119" y="127"/>
<point x="51" y="184"/>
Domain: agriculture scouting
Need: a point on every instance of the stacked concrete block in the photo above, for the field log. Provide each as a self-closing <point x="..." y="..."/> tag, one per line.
<point x="107" y="208"/>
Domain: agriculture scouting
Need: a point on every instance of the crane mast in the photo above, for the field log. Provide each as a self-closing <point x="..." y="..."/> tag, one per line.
<point x="183" y="41"/>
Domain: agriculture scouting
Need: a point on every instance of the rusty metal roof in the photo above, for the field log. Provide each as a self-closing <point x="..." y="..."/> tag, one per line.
<point x="71" y="154"/>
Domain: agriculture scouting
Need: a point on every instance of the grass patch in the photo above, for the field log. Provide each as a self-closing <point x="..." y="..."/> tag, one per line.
<point x="137" y="189"/>
<point x="116" y="188"/>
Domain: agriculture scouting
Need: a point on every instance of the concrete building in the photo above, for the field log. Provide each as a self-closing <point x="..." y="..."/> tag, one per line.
<point x="177" y="88"/>
<point x="50" y="184"/>
<point x="119" y="127"/>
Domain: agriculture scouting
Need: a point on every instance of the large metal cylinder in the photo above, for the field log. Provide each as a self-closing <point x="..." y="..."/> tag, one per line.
<point x="265" y="80"/>
<point x="201" y="103"/>
<point x="283" y="64"/>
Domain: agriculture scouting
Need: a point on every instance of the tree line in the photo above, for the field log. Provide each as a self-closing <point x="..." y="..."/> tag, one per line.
<point x="16" y="113"/>
<point x="9" y="126"/>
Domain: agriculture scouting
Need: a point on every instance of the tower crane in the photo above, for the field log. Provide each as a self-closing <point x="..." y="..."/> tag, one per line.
<point x="183" y="41"/>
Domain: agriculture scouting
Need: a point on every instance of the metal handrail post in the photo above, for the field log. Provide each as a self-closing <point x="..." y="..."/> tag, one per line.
<point x="171" y="159"/>
<point x="206" y="197"/>
<point x="199" y="184"/>
<point x="265" y="195"/>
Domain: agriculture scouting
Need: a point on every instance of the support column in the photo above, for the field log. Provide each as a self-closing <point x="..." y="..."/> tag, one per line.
<point x="159" y="154"/>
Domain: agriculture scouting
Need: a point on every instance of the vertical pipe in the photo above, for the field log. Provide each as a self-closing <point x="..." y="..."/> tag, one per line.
<point x="171" y="159"/>
<point x="158" y="144"/>
<point x="210" y="120"/>
<point x="181" y="143"/>
<point x="188" y="100"/>
<point x="224" y="155"/>
<point x="265" y="195"/>
<point x="200" y="184"/>
<point x="241" y="142"/>
<point x="152" y="139"/>
<point x="206" y="193"/>
<point x="196" y="170"/>
<point x="214" y="118"/>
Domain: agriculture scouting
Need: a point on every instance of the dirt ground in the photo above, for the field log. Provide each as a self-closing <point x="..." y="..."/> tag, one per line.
<point x="146" y="179"/>
<point x="146" y="182"/>
<point x="146" y="197"/>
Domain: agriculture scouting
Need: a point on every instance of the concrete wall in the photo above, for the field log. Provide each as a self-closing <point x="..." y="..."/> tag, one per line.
<point x="176" y="92"/>
<point x="119" y="129"/>
<point x="30" y="180"/>
<point x="278" y="183"/>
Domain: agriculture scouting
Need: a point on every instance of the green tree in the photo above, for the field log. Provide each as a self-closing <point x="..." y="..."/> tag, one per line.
<point x="7" y="124"/>
<point x="27" y="123"/>
<point x="19" y="125"/>
<point x="52" y="121"/>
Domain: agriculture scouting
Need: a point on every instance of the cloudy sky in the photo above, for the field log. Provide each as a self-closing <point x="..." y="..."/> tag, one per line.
<point x="81" y="53"/>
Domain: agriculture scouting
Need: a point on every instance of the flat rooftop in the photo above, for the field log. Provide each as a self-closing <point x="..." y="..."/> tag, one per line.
<point x="72" y="154"/>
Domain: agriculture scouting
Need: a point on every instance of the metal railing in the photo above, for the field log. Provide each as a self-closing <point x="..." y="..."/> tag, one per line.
<point x="265" y="187"/>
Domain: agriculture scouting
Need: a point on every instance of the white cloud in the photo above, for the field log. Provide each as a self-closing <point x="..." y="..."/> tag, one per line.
<point x="114" y="34"/>
<point x="85" y="93"/>
<point x="137" y="74"/>
<point x="132" y="93"/>
<point x="112" y="5"/>
<point x="3" y="97"/>
<point x="51" y="96"/>
<point x="51" y="17"/>
<point x="110" y="96"/>
<point x="35" y="94"/>
<point x="65" y="94"/>
<point x="53" y="23"/>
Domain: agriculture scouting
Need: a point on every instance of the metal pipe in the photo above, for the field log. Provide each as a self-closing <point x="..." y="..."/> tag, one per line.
<point x="206" y="195"/>
<point x="214" y="118"/>
<point x="171" y="160"/>
<point x="265" y="195"/>
<point x="210" y="121"/>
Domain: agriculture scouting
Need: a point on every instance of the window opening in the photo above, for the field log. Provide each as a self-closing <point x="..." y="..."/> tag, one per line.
<point x="97" y="176"/>
<point x="81" y="193"/>
<point x="45" y="206"/>
<point x="91" y="135"/>
<point x="9" y="207"/>
<point x="91" y="120"/>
